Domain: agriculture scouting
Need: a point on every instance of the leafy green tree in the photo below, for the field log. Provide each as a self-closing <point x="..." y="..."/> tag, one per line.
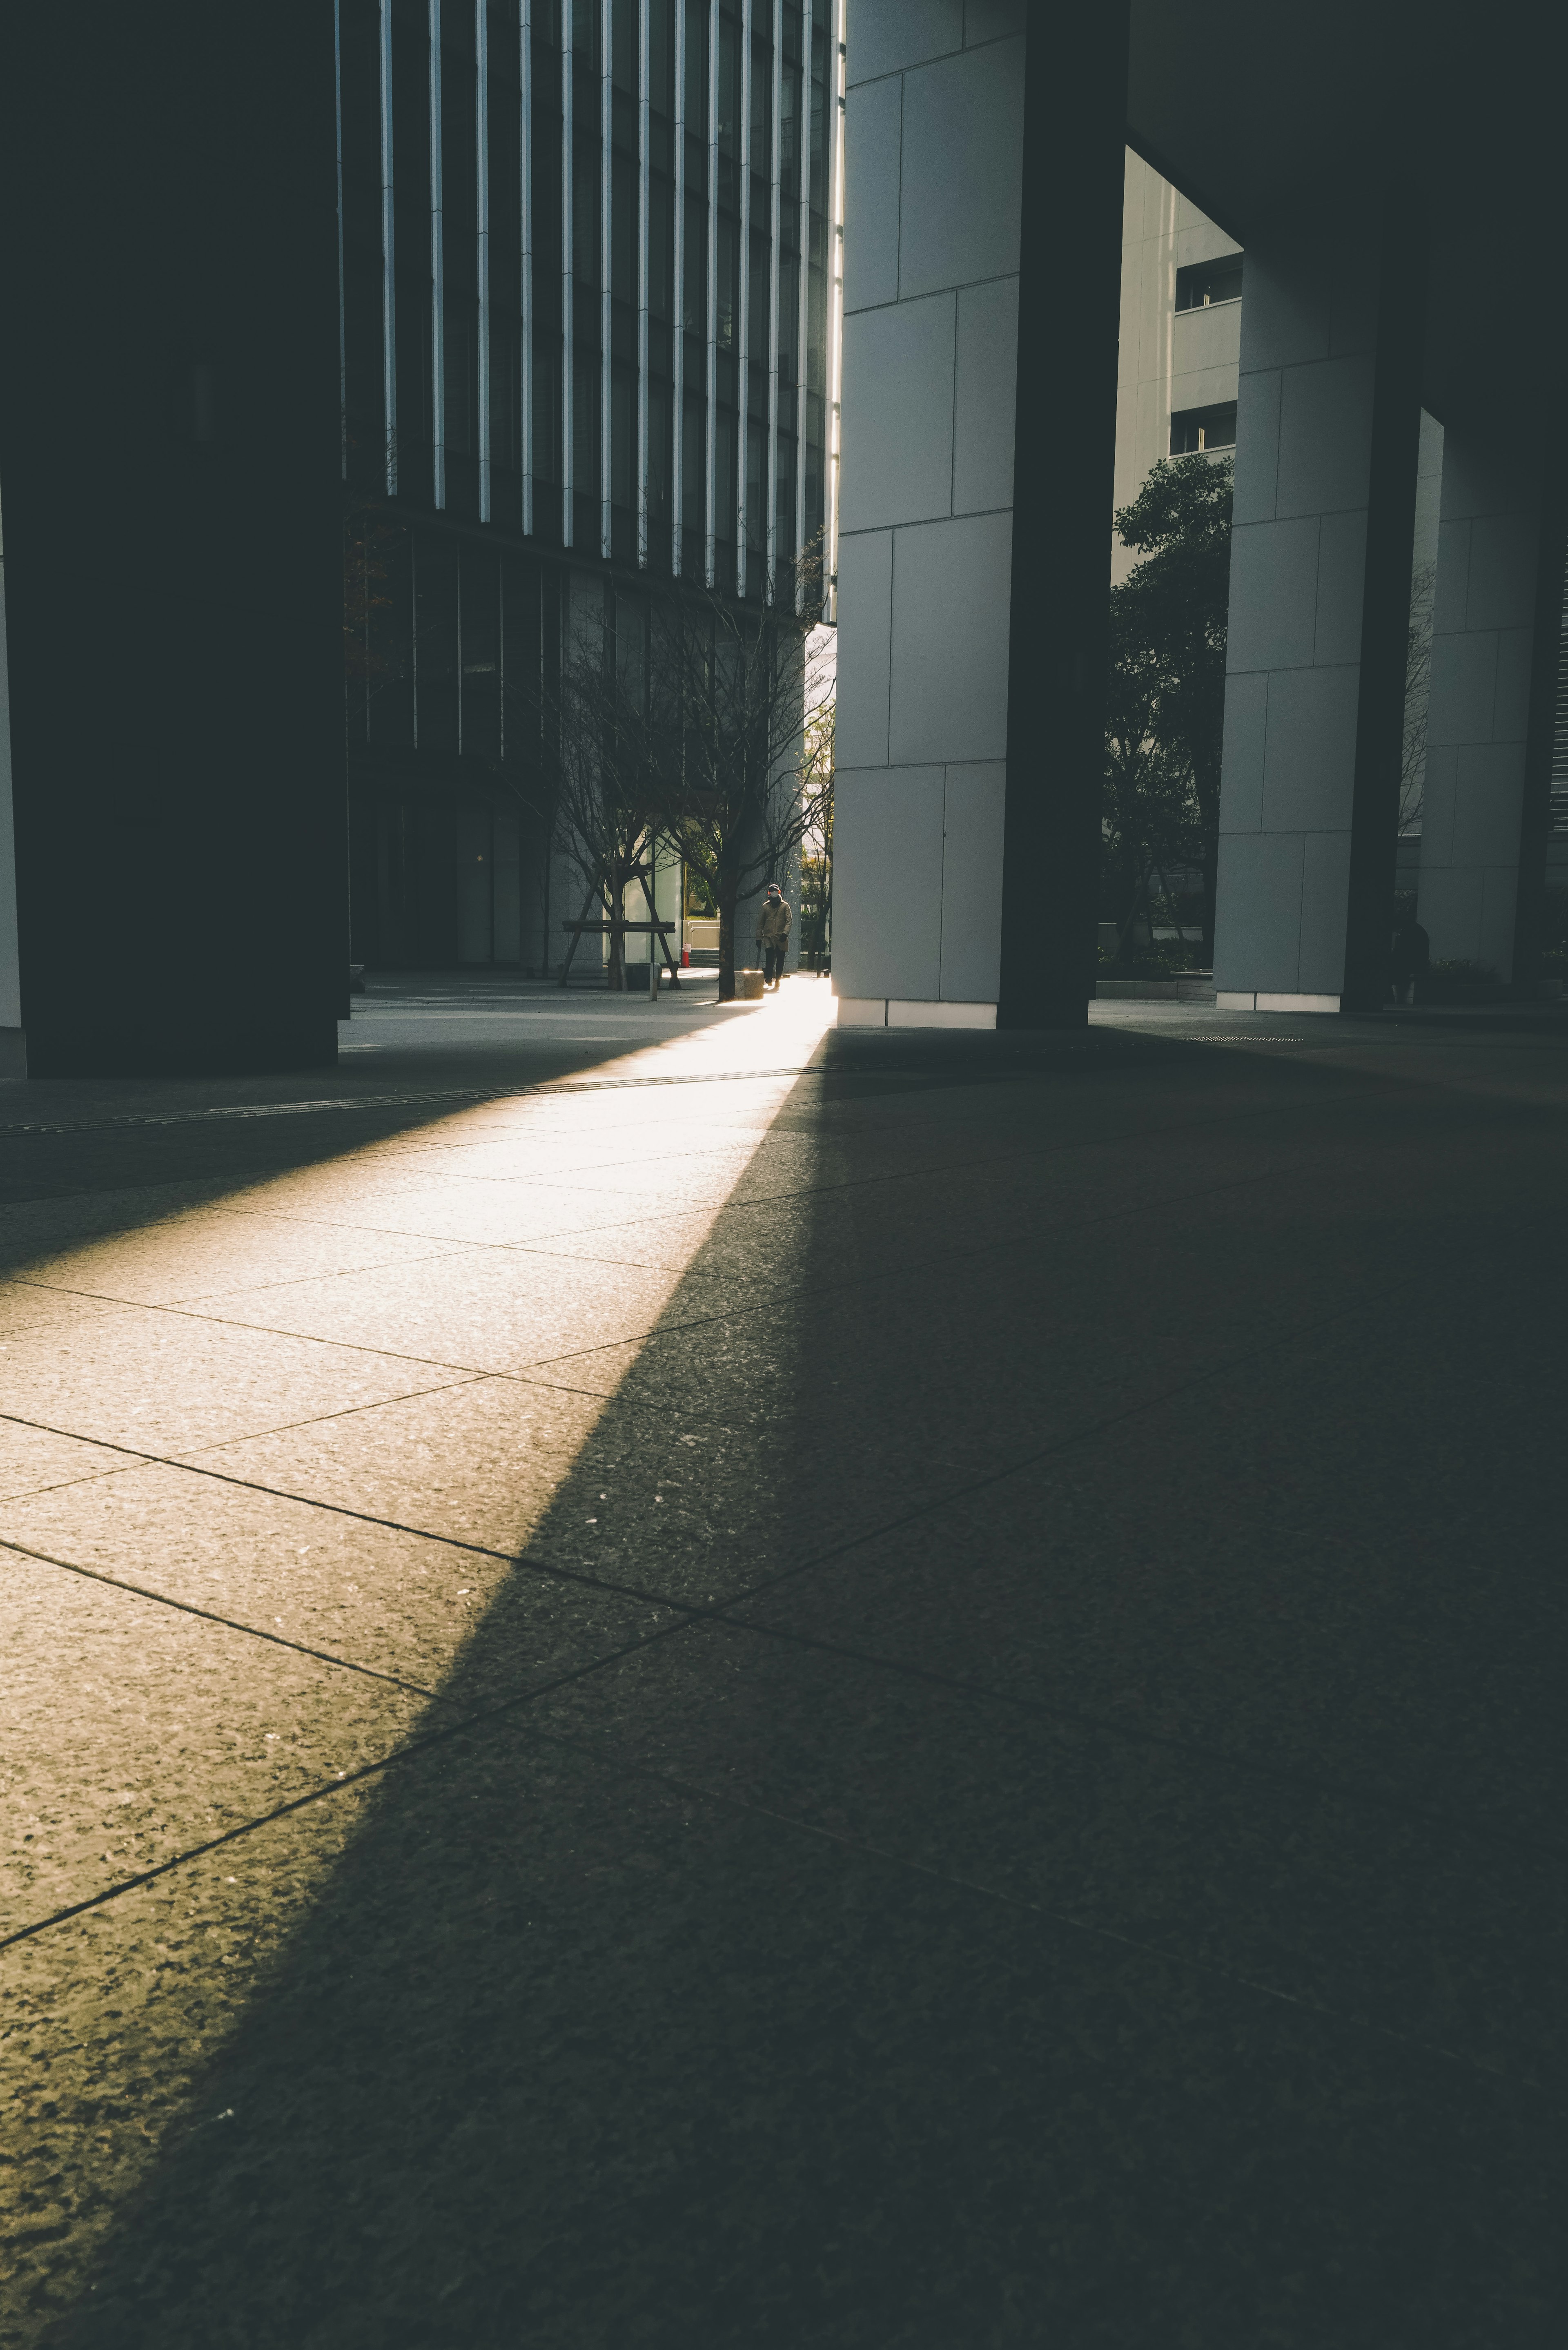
<point x="1149" y="826"/>
<point x="1168" y="659"/>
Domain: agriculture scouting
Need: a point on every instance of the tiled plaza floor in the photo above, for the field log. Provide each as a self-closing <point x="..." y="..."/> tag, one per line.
<point x="675" y="1680"/>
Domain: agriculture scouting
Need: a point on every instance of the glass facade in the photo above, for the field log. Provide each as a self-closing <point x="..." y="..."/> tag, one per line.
<point x="588" y="262"/>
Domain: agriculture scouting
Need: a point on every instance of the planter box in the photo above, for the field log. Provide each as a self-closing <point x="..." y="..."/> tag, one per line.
<point x="1192" y="988"/>
<point x="1436" y="989"/>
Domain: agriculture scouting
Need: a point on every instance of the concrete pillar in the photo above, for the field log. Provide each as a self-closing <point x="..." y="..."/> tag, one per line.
<point x="968" y="677"/>
<point x="171" y="467"/>
<point x="933" y="140"/>
<point x="1326" y="450"/>
<point x="1477" y="718"/>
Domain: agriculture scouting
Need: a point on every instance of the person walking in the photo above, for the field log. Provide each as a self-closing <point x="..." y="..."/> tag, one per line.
<point x="1409" y="957"/>
<point x="772" y="935"/>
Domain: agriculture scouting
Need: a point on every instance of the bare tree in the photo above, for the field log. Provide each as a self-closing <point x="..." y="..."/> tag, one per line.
<point x="738" y="714"/>
<point x="815" y="910"/>
<point x="601" y="781"/>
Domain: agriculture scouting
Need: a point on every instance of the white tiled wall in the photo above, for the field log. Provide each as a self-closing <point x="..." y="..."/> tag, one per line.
<point x="1478" y="714"/>
<point x="933" y="159"/>
<point x="1292" y="682"/>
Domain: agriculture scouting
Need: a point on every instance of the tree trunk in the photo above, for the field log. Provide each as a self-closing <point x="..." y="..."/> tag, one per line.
<point x="615" y="979"/>
<point x="727" y="894"/>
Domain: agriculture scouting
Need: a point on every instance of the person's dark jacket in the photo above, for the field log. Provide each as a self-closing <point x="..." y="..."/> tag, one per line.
<point x="1411" y="956"/>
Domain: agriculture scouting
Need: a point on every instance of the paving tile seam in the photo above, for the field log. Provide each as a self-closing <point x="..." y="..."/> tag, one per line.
<point x="1236" y="1763"/>
<point x="957" y="1253"/>
<point x="225" y="1112"/>
<point x="284" y="1427"/>
<point x="644" y="1338"/>
<point x="697" y="1790"/>
<point x="619" y="1767"/>
<point x="465" y="1371"/>
<point x="134" y="1455"/>
<point x="1209" y="1123"/>
<point x="459" y="1727"/>
<point x="1205" y="1121"/>
<point x="186" y="1305"/>
<point x="211" y="1616"/>
<point x="540" y="1245"/>
<point x="937" y="1081"/>
<point x="722" y="1613"/>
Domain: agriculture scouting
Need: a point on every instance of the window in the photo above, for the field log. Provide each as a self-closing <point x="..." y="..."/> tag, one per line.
<point x="1208" y="282"/>
<point x="1195" y="429"/>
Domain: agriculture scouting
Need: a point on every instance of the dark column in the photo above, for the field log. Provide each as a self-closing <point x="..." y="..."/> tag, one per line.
<point x="1546" y="654"/>
<point x="1396" y="435"/>
<point x="170" y="470"/>
<point x="1075" y="132"/>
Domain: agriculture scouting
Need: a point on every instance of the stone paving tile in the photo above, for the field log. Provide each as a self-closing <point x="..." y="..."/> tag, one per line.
<point x="330" y="1191"/>
<point x="34" y="1459"/>
<point x="596" y="1370"/>
<point x="888" y="1221"/>
<point x="705" y="1180"/>
<point x="24" y="1306"/>
<point x="31" y="1228"/>
<point x="182" y="1729"/>
<point x="698" y="1498"/>
<point x="479" y="1461"/>
<point x="1356" y="1908"/>
<point x="396" y="1602"/>
<point x="173" y="1382"/>
<point x="496" y="1214"/>
<point x="691" y="1241"/>
<point x="607" y="1157"/>
<point x="480" y="1310"/>
<point x="1340" y="1558"/>
<point x="216" y="1254"/>
<point x="586" y="2060"/>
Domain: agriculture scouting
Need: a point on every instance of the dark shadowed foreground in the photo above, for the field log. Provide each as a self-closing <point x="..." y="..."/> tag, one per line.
<point x="853" y="1692"/>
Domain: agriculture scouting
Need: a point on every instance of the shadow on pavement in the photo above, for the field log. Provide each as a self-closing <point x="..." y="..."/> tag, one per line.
<point x="863" y="1967"/>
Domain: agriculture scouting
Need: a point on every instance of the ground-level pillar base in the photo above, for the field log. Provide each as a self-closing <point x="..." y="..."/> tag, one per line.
<point x="1233" y="999"/>
<point x="891" y="1012"/>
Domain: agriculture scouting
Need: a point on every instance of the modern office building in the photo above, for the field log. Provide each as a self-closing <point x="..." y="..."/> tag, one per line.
<point x="1387" y="180"/>
<point x="585" y="266"/>
<point x="1178" y="340"/>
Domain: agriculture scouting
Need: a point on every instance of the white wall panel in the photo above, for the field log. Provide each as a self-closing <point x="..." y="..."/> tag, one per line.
<point x="864" y="642"/>
<point x="962" y="160"/>
<point x="888" y="34"/>
<point x="887" y="882"/>
<point x="971" y="882"/>
<point x="873" y="120"/>
<point x="950" y="606"/>
<point x="991" y="20"/>
<point x="985" y="396"/>
<point x="898" y="413"/>
<point x="1310" y="757"/>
